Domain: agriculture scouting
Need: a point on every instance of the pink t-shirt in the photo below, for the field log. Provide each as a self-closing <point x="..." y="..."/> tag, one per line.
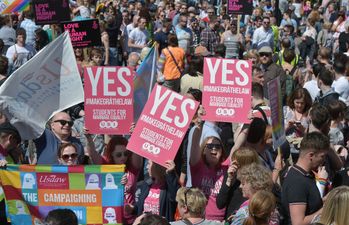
<point x="130" y="190"/>
<point x="152" y="202"/>
<point x="210" y="182"/>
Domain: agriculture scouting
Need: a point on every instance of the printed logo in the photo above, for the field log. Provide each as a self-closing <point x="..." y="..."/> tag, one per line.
<point x="108" y="124"/>
<point x="110" y="215"/>
<point x="225" y="112"/>
<point x="151" y="148"/>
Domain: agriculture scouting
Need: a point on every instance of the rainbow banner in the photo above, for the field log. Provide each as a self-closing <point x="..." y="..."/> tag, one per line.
<point x="11" y="6"/>
<point x="93" y="192"/>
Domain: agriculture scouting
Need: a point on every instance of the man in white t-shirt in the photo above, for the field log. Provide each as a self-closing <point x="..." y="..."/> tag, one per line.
<point x="19" y="53"/>
<point x="340" y="84"/>
<point x="311" y="85"/>
<point x="139" y="37"/>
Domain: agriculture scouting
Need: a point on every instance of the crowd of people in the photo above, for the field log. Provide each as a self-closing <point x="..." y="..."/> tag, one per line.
<point x="223" y="173"/>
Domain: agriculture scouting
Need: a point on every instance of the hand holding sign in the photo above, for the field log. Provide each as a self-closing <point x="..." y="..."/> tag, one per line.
<point x="162" y="125"/>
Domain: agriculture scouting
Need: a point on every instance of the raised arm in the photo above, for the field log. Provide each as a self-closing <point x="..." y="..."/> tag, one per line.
<point x="195" y="146"/>
<point x="91" y="149"/>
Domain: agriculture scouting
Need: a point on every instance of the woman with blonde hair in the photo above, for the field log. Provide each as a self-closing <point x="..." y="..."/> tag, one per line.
<point x="336" y="207"/>
<point x="230" y="194"/>
<point x="261" y="206"/>
<point x="253" y="56"/>
<point x="191" y="206"/>
<point x="253" y="178"/>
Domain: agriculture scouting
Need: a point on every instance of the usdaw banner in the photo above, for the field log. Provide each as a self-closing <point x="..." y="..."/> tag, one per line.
<point x="94" y="193"/>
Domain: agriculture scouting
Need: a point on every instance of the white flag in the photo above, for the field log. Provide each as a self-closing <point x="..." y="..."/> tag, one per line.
<point x="48" y="83"/>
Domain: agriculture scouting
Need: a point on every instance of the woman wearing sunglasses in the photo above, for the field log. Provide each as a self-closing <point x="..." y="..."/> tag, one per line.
<point x="208" y="159"/>
<point x="116" y="153"/>
<point x="68" y="154"/>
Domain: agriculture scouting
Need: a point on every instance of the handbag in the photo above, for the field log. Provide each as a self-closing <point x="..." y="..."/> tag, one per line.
<point x="179" y="69"/>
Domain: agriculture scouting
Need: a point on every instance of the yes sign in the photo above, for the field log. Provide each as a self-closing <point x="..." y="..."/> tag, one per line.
<point x="162" y="125"/>
<point x="108" y="99"/>
<point x="227" y="89"/>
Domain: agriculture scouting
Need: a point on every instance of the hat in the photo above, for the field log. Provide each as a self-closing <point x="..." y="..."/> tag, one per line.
<point x="9" y="129"/>
<point x="265" y="49"/>
<point x="201" y="50"/>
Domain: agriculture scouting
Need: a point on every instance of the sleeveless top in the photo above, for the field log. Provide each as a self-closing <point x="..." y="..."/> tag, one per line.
<point x="231" y="43"/>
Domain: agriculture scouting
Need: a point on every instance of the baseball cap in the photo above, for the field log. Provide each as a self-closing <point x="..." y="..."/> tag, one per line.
<point x="265" y="49"/>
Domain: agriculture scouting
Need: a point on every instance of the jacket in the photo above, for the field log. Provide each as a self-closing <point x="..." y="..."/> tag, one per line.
<point x="272" y="71"/>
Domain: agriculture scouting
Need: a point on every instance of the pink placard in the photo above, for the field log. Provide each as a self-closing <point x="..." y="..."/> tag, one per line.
<point x="108" y="99"/>
<point x="227" y="90"/>
<point x="162" y="125"/>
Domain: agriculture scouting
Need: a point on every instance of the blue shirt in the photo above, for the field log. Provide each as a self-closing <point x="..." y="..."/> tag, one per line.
<point x="47" y="148"/>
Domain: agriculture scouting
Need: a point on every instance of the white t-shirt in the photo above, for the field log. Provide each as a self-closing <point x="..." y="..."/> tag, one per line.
<point x="312" y="88"/>
<point x="140" y="37"/>
<point x="23" y="53"/>
<point x="341" y="86"/>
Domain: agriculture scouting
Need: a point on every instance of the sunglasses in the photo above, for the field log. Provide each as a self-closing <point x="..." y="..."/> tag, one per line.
<point x="264" y="54"/>
<point x="64" y="122"/>
<point x="120" y="154"/>
<point x="66" y="157"/>
<point x="213" y="146"/>
<point x="266" y="22"/>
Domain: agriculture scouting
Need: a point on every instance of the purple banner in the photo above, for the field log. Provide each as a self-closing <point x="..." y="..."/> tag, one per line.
<point x="51" y="11"/>
<point x="242" y="7"/>
<point x="84" y="33"/>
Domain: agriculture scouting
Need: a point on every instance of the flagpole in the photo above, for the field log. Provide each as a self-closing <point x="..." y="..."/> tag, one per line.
<point x="152" y="70"/>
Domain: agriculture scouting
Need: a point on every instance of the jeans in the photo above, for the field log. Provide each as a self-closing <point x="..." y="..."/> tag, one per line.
<point x="113" y="56"/>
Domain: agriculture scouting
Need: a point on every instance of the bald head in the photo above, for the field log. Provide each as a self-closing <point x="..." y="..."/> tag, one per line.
<point x="133" y="59"/>
<point x="61" y="125"/>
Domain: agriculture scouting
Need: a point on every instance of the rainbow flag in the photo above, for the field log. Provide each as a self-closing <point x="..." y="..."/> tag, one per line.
<point x="11" y="6"/>
<point x="93" y="192"/>
<point x="145" y="80"/>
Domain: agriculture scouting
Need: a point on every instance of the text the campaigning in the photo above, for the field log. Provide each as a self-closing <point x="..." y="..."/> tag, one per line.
<point x="162" y="125"/>
<point x="108" y="99"/>
<point x="227" y="89"/>
<point x="94" y="193"/>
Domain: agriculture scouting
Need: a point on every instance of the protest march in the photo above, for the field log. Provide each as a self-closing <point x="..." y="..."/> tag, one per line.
<point x="174" y="112"/>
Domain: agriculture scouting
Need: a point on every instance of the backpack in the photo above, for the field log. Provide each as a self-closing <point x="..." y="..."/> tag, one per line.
<point x="290" y="82"/>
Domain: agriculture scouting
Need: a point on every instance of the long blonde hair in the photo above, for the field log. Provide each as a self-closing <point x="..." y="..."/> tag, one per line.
<point x="336" y="207"/>
<point x="260" y="208"/>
